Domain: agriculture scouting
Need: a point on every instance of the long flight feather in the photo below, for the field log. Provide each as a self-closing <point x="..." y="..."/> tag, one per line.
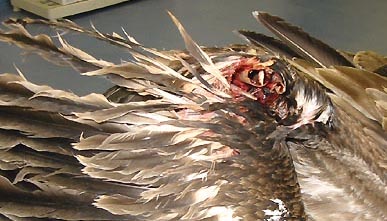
<point x="309" y="47"/>
<point x="272" y="45"/>
<point x="199" y="54"/>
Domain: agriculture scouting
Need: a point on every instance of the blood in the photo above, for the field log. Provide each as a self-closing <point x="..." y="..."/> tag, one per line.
<point x="257" y="78"/>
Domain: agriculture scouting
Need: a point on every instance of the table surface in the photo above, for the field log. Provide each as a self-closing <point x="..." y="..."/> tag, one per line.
<point x="350" y="25"/>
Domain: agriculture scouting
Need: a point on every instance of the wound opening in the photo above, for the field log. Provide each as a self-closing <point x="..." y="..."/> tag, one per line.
<point x="257" y="78"/>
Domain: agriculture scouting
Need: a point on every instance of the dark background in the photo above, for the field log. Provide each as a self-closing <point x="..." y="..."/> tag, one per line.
<point x="350" y="25"/>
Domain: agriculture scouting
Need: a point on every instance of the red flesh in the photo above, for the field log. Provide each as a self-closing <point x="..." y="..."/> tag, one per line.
<point x="266" y="92"/>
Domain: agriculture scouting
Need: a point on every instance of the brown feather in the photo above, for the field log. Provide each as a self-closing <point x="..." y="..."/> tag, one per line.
<point x="268" y="43"/>
<point x="310" y="48"/>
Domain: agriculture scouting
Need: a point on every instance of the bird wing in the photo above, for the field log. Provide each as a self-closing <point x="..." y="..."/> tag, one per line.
<point x="182" y="151"/>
